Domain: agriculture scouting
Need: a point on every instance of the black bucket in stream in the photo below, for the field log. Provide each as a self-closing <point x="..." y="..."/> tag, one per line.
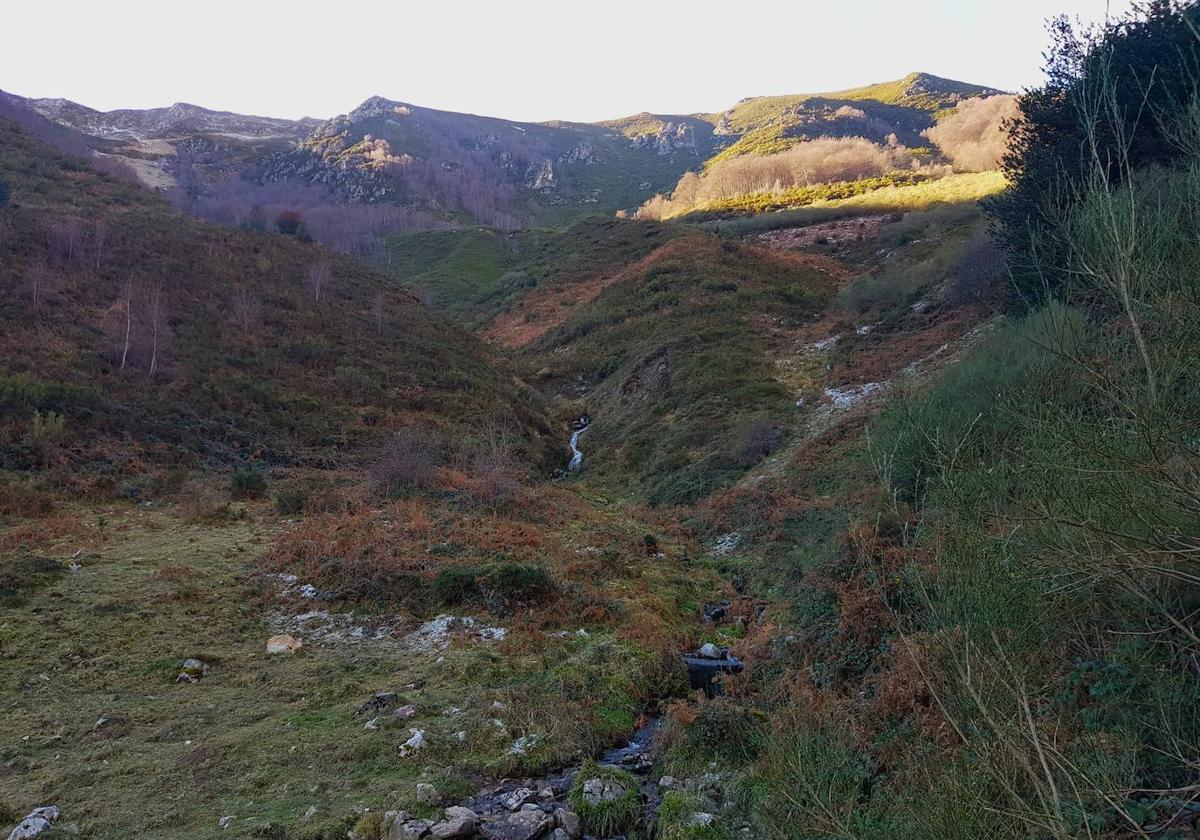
<point x="705" y="673"/>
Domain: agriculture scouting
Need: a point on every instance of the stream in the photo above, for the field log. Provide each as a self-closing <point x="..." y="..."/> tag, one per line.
<point x="578" y="427"/>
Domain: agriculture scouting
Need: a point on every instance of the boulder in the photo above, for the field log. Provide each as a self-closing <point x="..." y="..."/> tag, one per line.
<point x="427" y="794"/>
<point x="521" y="825"/>
<point x="513" y="800"/>
<point x="283" y="643"/>
<point x="413" y="744"/>
<point x="459" y="822"/>
<point x="191" y="670"/>
<point x="568" y="821"/>
<point x="36" y="822"/>
<point x="599" y="791"/>
<point x="710" y="651"/>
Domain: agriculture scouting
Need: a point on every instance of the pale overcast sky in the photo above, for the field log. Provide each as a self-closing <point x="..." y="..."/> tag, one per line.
<point x="523" y="59"/>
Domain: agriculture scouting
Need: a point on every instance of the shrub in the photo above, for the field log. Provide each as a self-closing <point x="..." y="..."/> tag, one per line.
<point x="22" y="574"/>
<point x="975" y="134"/>
<point x="247" y="483"/>
<point x="517" y="583"/>
<point x="456" y="585"/>
<point x="291" y="501"/>
<point x="675" y="815"/>
<point x="408" y="461"/>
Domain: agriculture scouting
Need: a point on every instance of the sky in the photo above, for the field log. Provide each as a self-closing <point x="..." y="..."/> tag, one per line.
<point x="521" y="59"/>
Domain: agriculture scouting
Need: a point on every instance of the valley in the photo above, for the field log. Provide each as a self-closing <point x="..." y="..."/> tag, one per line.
<point x="825" y="467"/>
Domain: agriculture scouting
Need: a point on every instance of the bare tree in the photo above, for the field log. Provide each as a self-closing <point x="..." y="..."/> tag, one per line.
<point x="379" y="312"/>
<point x="39" y="279"/>
<point x="99" y="240"/>
<point x="318" y="279"/>
<point x="245" y="309"/>
<point x="63" y="240"/>
<point x="156" y="325"/>
<point x="124" y="308"/>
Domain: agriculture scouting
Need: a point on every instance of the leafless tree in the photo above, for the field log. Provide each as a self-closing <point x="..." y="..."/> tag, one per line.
<point x="123" y="312"/>
<point x="39" y="279"/>
<point x="99" y="241"/>
<point x="318" y="279"/>
<point x="156" y="325"/>
<point x="245" y="309"/>
<point x="64" y="239"/>
<point x="407" y="461"/>
<point x="379" y="313"/>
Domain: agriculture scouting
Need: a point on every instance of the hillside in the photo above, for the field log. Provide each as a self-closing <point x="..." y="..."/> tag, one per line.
<point x="401" y="166"/>
<point x="237" y="345"/>
<point x="904" y="107"/>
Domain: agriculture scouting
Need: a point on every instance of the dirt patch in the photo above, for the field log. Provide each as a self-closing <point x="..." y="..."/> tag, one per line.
<point x="837" y="232"/>
<point x="651" y="376"/>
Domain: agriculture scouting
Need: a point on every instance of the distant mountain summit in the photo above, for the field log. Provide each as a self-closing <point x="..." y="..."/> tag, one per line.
<point x="448" y="167"/>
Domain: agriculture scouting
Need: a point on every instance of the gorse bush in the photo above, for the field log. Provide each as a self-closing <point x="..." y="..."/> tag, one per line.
<point x="1112" y="101"/>
<point x="247" y="483"/>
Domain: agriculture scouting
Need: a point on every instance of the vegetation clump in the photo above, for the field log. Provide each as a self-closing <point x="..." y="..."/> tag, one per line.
<point x="606" y="799"/>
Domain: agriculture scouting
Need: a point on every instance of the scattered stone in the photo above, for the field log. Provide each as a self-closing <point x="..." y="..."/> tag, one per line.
<point x="413" y="744"/>
<point x="559" y="834"/>
<point x="710" y="651"/>
<point x="546" y="792"/>
<point x="36" y="822"/>
<point x="701" y="819"/>
<point x="191" y="670"/>
<point x="409" y="829"/>
<point x="515" y="799"/>
<point x="309" y="814"/>
<point x="283" y="643"/>
<point x="427" y="794"/>
<point x="380" y="701"/>
<point x="668" y="782"/>
<point x="521" y="825"/>
<point x="224" y="823"/>
<point x="523" y="744"/>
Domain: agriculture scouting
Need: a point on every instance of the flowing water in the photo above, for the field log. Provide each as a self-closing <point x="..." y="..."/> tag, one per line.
<point x="578" y="427"/>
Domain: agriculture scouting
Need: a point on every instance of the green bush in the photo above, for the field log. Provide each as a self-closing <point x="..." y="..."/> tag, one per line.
<point x="290" y="502"/>
<point x="517" y="583"/>
<point x="247" y="483"/>
<point x="675" y="815"/>
<point x="456" y="585"/>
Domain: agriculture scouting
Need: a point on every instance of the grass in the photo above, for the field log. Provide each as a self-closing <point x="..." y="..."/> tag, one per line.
<point x="965" y="188"/>
<point x="607" y="818"/>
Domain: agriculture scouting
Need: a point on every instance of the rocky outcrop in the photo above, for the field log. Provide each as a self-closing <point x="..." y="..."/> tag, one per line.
<point x="670" y="137"/>
<point x="541" y="176"/>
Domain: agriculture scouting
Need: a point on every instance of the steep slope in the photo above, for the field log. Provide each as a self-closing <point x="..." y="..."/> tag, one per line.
<point x="133" y="331"/>
<point x="483" y="168"/>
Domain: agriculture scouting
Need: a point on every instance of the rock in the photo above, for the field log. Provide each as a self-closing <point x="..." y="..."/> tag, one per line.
<point x="522" y="825"/>
<point x="452" y="828"/>
<point x="427" y="794"/>
<point x="559" y="834"/>
<point x="191" y="670"/>
<point x="668" y="782"/>
<point x="309" y="814"/>
<point x="701" y="819"/>
<point x="224" y="823"/>
<point x="36" y="822"/>
<point x="546" y="792"/>
<point x="515" y="799"/>
<point x="459" y="822"/>
<point x="380" y="701"/>
<point x="283" y="643"/>
<point x="524" y="744"/>
<point x="568" y="821"/>
<point x="710" y="651"/>
<point x="409" y="829"/>
<point x="599" y="791"/>
<point x="413" y="744"/>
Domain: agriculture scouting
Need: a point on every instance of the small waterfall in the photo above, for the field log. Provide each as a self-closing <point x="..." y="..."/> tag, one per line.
<point x="577" y="428"/>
